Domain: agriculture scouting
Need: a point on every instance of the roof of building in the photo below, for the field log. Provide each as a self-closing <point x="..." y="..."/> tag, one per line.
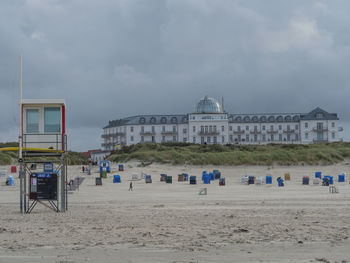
<point x="43" y="101"/>
<point x="208" y="105"/>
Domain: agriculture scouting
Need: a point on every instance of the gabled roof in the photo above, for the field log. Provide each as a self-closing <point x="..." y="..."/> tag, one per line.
<point x="313" y="115"/>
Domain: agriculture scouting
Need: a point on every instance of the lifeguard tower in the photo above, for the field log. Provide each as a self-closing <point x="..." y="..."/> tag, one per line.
<point x="43" y="134"/>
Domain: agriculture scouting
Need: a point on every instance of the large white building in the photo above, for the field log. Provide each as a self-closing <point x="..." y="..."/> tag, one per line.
<point x="210" y="124"/>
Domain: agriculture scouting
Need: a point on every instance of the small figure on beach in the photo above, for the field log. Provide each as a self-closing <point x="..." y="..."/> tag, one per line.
<point x="130" y="187"/>
<point x="83" y="168"/>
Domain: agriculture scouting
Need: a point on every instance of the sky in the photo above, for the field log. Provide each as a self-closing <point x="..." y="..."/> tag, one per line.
<point x="111" y="59"/>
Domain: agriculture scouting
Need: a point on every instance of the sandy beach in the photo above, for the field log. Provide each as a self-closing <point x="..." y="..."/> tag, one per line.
<point x="161" y="222"/>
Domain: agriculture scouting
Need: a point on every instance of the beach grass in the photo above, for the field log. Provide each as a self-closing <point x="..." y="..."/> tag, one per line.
<point x="270" y="154"/>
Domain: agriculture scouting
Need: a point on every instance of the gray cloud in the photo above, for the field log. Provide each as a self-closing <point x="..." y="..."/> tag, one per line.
<point x="111" y="59"/>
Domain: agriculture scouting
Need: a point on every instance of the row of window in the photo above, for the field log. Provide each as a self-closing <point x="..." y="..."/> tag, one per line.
<point x="52" y="120"/>
<point x="163" y="120"/>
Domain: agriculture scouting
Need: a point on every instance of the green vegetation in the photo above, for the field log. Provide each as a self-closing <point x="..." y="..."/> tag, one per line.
<point x="6" y="158"/>
<point x="282" y="154"/>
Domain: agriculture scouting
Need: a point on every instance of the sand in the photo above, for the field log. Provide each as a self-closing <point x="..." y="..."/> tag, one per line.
<point x="161" y="222"/>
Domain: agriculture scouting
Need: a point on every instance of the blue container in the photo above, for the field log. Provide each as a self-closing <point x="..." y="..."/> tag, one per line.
<point x="148" y="179"/>
<point x="116" y="179"/>
<point x="193" y="179"/>
<point x="268" y="179"/>
<point x="280" y="182"/>
<point x="211" y="176"/>
<point x="203" y="174"/>
<point x="121" y="167"/>
<point x="341" y="178"/>
<point x="206" y="179"/>
<point x="318" y="175"/>
<point x="10" y="181"/>
<point x="330" y="178"/>
<point x="251" y="179"/>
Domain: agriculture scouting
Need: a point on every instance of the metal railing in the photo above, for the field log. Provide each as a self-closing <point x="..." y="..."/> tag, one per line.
<point x="55" y="141"/>
<point x="208" y="133"/>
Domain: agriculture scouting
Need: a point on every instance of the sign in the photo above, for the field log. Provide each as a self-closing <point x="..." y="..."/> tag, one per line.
<point x="48" y="167"/>
<point x="43" y="186"/>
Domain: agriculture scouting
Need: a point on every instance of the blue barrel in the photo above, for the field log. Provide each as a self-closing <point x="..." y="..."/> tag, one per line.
<point x="330" y="179"/>
<point x="121" y="167"/>
<point x="148" y="179"/>
<point x="318" y="175"/>
<point x="268" y="179"/>
<point x="211" y="176"/>
<point x="341" y="178"/>
<point x="193" y="179"/>
<point x="251" y="179"/>
<point x="280" y="182"/>
<point x="116" y="178"/>
<point x="206" y="179"/>
<point x="10" y="181"/>
<point x="306" y="180"/>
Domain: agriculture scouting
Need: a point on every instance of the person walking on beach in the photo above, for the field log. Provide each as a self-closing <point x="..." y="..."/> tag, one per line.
<point x="130" y="187"/>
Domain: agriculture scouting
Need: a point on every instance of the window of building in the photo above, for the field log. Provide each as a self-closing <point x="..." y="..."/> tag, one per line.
<point x="174" y="128"/>
<point x="264" y="137"/>
<point x="194" y="139"/>
<point x="238" y="128"/>
<point x="288" y="137"/>
<point x="231" y="138"/>
<point x="153" y="139"/>
<point x="271" y="127"/>
<point x="296" y="127"/>
<point x="214" y="128"/>
<point x="184" y="139"/>
<point x="255" y="138"/>
<point x="215" y="140"/>
<point x="247" y="137"/>
<point x="208" y="140"/>
<point x="263" y="127"/>
<point x="132" y="138"/>
<point x="272" y="138"/>
<point x="163" y="128"/>
<point x="184" y="130"/>
<point x="239" y="137"/>
<point x="202" y="140"/>
<point x="333" y="135"/>
<point x="194" y="128"/>
<point x="280" y="137"/>
<point x="280" y="127"/>
<point x="202" y="128"/>
<point x="163" y="138"/>
<point x="206" y="129"/>
<point x="306" y="125"/>
<point x="319" y="115"/>
<point x="142" y="129"/>
<point x="153" y="129"/>
<point x="32" y="121"/>
<point x="247" y="128"/>
<point x="52" y="119"/>
<point x="210" y="128"/>
<point x="131" y="128"/>
<point x="297" y="137"/>
<point x="142" y="139"/>
<point x="306" y="135"/>
<point x="333" y="124"/>
<point x="223" y="139"/>
<point x="230" y="128"/>
<point x="174" y="138"/>
<point x="222" y="128"/>
<point x="288" y="127"/>
<point x="255" y="128"/>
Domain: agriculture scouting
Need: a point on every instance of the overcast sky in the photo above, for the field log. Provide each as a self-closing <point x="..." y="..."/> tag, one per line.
<point x="113" y="59"/>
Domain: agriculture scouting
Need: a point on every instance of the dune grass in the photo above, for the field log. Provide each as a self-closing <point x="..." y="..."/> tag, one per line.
<point x="282" y="154"/>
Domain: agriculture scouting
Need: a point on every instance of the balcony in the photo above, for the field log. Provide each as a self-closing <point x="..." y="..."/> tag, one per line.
<point x="289" y="131"/>
<point x="255" y="132"/>
<point x="203" y="133"/>
<point x="112" y="135"/>
<point x="57" y="142"/>
<point x="320" y="140"/>
<point x="271" y="131"/>
<point x="169" y="132"/>
<point x="147" y="133"/>
<point x="238" y="132"/>
<point x="320" y="129"/>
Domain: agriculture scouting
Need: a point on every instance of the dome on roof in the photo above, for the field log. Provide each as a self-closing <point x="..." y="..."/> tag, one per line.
<point x="208" y="105"/>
